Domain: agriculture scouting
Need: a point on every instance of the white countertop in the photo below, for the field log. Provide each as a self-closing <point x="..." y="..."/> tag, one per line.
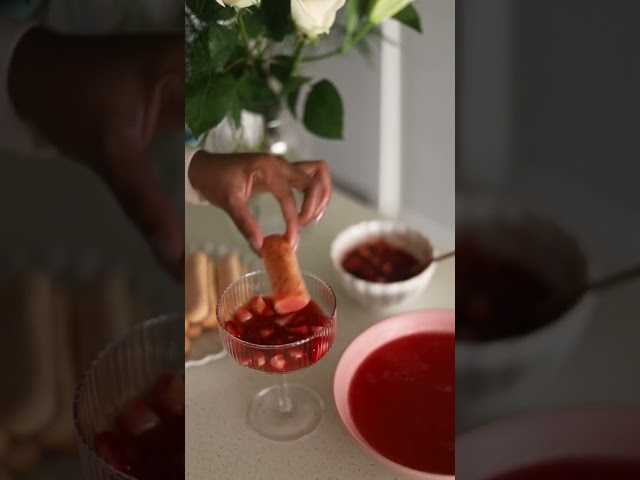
<point x="219" y="443"/>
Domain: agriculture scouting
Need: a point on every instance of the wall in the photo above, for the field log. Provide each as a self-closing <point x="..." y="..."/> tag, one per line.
<point x="424" y="89"/>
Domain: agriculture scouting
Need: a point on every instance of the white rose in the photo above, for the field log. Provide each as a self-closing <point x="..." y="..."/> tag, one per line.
<point x="384" y="9"/>
<point x="238" y="3"/>
<point x="315" y="17"/>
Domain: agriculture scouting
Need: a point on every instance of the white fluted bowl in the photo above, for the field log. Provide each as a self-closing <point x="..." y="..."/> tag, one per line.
<point x="397" y="234"/>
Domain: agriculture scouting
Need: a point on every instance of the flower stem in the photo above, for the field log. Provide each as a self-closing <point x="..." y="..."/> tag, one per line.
<point x="297" y="55"/>
<point x="245" y="37"/>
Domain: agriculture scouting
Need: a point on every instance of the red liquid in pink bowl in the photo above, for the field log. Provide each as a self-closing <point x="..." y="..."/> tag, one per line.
<point x="402" y="400"/>
<point x="586" y="469"/>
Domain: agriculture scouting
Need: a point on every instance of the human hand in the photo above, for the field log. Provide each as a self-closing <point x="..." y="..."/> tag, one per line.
<point x="100" y="100"/>
<point x="228" y="180"/>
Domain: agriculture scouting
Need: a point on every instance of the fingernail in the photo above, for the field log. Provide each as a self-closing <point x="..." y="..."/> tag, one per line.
<point x="320" y="215"/>
<point x="255" y="246"/>
<point x="296" y="244"/>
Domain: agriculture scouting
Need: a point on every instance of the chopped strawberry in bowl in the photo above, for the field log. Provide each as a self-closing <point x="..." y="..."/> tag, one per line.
<point x="383" y="263"/>
<point x="260" y="329"/>
<point x="287" y="341"/>
<point x="129" y="407"/>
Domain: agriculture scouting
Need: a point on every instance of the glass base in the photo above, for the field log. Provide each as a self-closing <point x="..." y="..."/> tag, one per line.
<point x="275" y="418"/>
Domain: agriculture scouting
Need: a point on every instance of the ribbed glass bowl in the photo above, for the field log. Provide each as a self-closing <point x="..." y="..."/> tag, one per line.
<point x="126" y="368"/>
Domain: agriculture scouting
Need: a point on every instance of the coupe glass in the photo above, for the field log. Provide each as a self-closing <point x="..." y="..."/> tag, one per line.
<point x="283" y="411"/>
<point x="125" y="369"/>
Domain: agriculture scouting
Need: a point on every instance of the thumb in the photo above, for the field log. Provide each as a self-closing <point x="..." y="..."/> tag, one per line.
<point x="138" y="191"/>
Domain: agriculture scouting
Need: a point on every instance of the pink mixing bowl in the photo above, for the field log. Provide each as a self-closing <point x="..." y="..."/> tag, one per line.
<point x="611" y="434"/>
<point x="424" y="321"/>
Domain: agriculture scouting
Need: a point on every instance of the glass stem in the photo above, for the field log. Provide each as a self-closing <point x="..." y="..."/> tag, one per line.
<point x="284" y="401"/>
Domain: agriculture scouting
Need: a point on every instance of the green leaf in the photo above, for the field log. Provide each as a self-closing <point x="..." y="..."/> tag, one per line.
<point x="210" y="11"/>
<point x="198" y="57"/>
<point x="355" y="11"/>
<point x="281" y="68"/>
<point x="222" y="42"/>
<point x="323" y="112"/>
<point x="410" y="17"/>
<point x="253" y="22"/>
<point x="254" y="93"/>
<point x="277" y="18"/>
<point x="293" y="84"/>
<point x="207" y="102"/>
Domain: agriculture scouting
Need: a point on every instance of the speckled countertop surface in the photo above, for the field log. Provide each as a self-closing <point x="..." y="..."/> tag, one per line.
<point x="219" y="443"/>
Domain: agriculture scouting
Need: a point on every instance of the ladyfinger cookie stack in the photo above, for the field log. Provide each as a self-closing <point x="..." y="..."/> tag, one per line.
<point x="49" y="335"/>
<point x="205" y="280"/>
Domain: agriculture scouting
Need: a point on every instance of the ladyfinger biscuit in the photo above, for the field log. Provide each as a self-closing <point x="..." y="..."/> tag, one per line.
<point x="196" y="300"/>
<point x="59" y="435"/>
<point x="211" y="320"/>
<point x="102" y="313"/>
<point x="187" y="344"/>
<point x="195" y="331"/>
<point x="28" y="399"/>
<point x="281" y="263"/>
<point x="229" y="269"/>
<point x="23" y="456"/>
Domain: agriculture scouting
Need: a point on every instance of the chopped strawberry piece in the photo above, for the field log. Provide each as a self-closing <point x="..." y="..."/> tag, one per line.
<point x="316" y="328"/>
<point x="246" y="361"/>
<point x="266" y="332"/>
<point x="257" y="305"/>
<point x="284" y="320"/>
<point x="296" y="353"/>
<point x="268" y="312"/>
<point x="168" y="394"/>
<point x="320" y="348"/>
<point x="243" y="315"/>
<point x="278" y="363"/>
<point x="112" y="450"/>
<point x="233" y="329"/>
<point x="137" y="419"/>
<point x="260" y="359"/>
<point x="301" y="330"/>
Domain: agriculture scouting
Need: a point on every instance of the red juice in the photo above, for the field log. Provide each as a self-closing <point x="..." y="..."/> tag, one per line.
<point x="147" y="440"/>
<point x="402" y="399"/>
<point x="259" y="324"/>
<point x="381" y="263"/>
<point x="586" y="469"/>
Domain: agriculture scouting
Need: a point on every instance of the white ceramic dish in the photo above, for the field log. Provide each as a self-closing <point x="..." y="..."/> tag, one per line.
<point x="424" y="321"/>
<point x="383" y="295"/>
<point x="559" y="434"/>
<point x="208" y="347"/>
<point x="487" y="369"/>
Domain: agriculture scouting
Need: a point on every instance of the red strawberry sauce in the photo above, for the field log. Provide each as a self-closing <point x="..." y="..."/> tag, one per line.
<point x="402" y="399"/>
<point x="381" y="263"/>
<point x="146" y="440"/>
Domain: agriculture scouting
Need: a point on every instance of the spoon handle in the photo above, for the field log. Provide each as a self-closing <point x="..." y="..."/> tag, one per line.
<point x="444" y="256"/>
<point x="615" y="278"/>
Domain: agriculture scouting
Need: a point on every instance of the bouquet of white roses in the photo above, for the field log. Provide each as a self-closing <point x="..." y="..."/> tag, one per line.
<point x="247" y="55"/>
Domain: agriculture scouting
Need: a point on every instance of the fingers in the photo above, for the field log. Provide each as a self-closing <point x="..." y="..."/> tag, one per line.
<point x="282" y="191"/>
<point x="317" y="193"/>
<point x="142" y="198"/>
<point x="245" y="223"/>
